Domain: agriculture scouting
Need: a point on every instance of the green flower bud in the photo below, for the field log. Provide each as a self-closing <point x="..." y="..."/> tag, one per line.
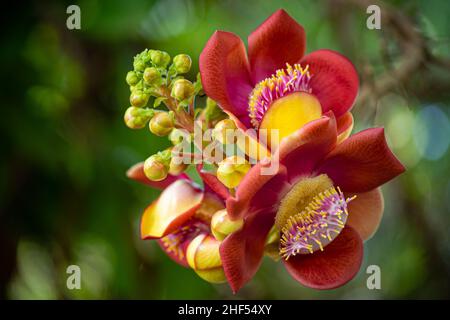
<point x="155" y="169"/>
<point x="182" y="63"/>
<point x="225" y="131"/>
<point x="152" y="76"/>
<point x="222" y="225"/>
<point x="139" y="65"/>
<point x="161" y="124"/>
<point x="137" y="118"/>
<point x="132" y="78"/>
<point x="139" y="99"/>
<point x="182" y="89"/>
<point x="232" y="170"/>
<point x="178" y="136"/>
<point x="159" y="58"/>
<point x="176" y="168"/>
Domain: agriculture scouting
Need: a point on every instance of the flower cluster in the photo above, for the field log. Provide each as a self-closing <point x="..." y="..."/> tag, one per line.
<point x="320" y="203"/>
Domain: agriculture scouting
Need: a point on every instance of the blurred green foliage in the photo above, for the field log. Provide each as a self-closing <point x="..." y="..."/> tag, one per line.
<point x="64" y="197"/>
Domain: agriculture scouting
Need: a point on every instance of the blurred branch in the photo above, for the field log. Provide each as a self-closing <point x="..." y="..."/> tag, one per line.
<point x="415" y="53"/>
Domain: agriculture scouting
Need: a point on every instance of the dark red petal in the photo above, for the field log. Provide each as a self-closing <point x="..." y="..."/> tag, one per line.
<point x="256" y="191"/>
<point x="334" y="80"/>
<point x="301" y="151"/>
<point x="213" y="183"/>
<point x="362" y="162"/>
<point x="277" y="41"/>
<point x="136" y="173"/>
<point x="335" y="266"/>
<point x="225" y="75"/>
<point x="241" y="252"/>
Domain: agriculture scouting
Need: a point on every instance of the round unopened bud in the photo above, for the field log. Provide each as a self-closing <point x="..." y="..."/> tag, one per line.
<point x="155" y="169"/>
<point x="222" y="225"/>
<point x="203" y="256"/>
<point x="139" y="65"/>
<point x="137" y="118"/>
<point x="152" y="76"/>
<point x="161" y="124"/>
<point x="132" y="78"/>
<point x="225" y="131"/>
<point x="139" y="99"/>
<point x="178" y="136"/>
<point x="182" y="89"/>
<point x="176" y="166"/>
<point x="159" y="58"/>
<point x="182" y="63"/>
<point x="232" y="170"/>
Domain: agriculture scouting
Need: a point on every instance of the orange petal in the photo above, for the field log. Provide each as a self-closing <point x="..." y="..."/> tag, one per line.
<point x="344" y="126"/>
<point x="365" y="212"/>
<point x="175" y="205"/>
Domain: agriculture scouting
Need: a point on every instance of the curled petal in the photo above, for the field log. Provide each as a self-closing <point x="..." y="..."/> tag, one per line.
<point x="365" y="212"/>
<point x="300" y="151"/>
<point x="225" y="74"/>
<point x="136" y="173"/>
<point x="176" y="204"/>
<point x="241" y="252"/>
<point x="213" y="183"/>
<point x="331" y="268"/>
<point x="257" y="191"/>
<point x="334" y="80"/>
<point x="277" y="41"/>
<point x="362" y="162"/>
<point x="344" y="126"/>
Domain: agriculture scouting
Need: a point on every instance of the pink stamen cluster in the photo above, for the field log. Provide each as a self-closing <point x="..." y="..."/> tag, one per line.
<point x="282" y="83"/>
<point x="317" y="225"/>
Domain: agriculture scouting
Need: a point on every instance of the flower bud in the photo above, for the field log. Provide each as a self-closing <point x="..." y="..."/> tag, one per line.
<point x="139" y="65"/>
<point x="139" y="99"/>
<point x="222" y="226"/>
<point x="203" y="256"/>
<point x="182" y="89"/>
<point x="152" y="76"/>
<point x="182" y="63"/>
<point x="132" y="78"/>
<point x="137" y="118"/>
<point x="155" y="169"/>
<point x="176" y="166"/>
<point x="232" y="170"/>
<point x="161" y="124"/>
<point x="178" y="136"/>
<point x="225" y="131"/>
<point x="159" y="58"/>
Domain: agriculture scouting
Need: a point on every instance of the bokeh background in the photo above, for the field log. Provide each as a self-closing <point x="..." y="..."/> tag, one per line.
<point x="64" y="197"/>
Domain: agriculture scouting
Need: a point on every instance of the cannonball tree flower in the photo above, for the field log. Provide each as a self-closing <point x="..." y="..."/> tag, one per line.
<point x="315" y="211"/>
<point x="180" y="221"/>
<point x="276" y="86"/>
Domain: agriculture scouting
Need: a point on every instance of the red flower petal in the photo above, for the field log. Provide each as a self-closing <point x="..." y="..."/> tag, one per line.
<point x="225" y="75"/>
<point x="136" y="173"/>
<point x="331" y="268"/>
<point x="365" y="212"/>
<point x="362" y="162"/>
<point x="213" y="183"/>
<point x="301" y="151"/>
<point x="241" y="252"/>
<point x="334" y="80"/>
<point x="176" y="204"/>
<point x="256" y="191"/>
<point x="277" y="41"/>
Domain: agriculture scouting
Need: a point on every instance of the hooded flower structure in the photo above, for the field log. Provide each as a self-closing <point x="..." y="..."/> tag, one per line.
<point x="276" y="86"/>
<point x="180" y="220"/>
<point x="315" y="211"/>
